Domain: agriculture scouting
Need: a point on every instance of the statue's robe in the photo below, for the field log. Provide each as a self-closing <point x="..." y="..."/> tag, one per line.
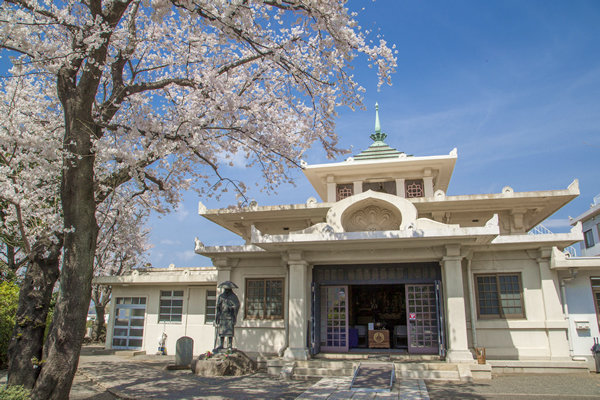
<point x="228" y="305"/>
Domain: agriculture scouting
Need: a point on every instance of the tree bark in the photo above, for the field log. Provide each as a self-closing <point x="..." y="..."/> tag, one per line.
<point x="67" y="330"/>
<point x="27" y="339"/>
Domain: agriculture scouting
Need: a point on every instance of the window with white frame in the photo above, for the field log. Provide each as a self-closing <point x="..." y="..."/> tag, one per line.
<point x="211" y="306"/>
<point x="171" y="306"/>
<point x="588" y="237"/>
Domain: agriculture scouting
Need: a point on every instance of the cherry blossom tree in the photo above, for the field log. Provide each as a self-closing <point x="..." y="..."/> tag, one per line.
<point x="31" y="224"/>
<point x="30" y="177"/>
<point x="122" y="242"/>
<point x="160" y="95"/>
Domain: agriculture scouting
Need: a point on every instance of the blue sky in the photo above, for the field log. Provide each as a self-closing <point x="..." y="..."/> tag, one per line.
<point x="514" y="85"/>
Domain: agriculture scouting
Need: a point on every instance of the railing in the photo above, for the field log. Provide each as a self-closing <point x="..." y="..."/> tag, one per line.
<point x="542" y="230"/>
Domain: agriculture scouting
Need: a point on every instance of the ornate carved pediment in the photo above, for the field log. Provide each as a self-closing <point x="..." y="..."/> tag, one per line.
<point x="372" y="218"/>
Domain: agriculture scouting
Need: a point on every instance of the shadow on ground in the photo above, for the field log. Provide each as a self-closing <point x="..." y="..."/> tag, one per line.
<point x="150" y="381"/>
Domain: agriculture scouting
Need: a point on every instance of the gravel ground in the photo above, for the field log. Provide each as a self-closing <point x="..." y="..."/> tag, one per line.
<point x="521" y="386"/>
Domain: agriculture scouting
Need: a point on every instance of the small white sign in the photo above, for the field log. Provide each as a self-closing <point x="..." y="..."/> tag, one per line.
<point x="371" y="326"/>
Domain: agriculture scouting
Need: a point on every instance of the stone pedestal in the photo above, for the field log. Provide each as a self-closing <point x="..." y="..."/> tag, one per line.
<point x="237" y="363"/>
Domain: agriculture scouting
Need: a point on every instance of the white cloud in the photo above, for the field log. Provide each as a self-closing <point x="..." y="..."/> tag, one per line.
<point x="155" y="258"/>
<point x="185" y="255"/>
<point x="169" y="241"/>
<point x="181" y="213"/>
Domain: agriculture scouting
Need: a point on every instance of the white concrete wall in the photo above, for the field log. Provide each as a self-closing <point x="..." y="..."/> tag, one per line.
<point x="581" y="308"/>
<point x="541" y="334"/>
<point x="251" y="335"/>
<point x="192" y="323"/>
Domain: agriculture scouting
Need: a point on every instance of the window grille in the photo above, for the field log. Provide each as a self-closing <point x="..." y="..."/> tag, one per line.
<point x="344" y="191"/>
<point x="414" y="189"/>
<point x="211" y="306"/>
<point x="499" y="296"/>
<point x="264" y="298"/>
<point x="171" y="306"/>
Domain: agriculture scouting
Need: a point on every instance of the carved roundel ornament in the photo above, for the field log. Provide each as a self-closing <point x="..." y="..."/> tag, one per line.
<point x="372" y="218"/>
<point x="378" y="337"/>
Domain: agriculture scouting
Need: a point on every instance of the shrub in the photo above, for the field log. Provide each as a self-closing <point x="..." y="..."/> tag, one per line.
<point x="14" y="393"/>
<point x="9" y="300"/>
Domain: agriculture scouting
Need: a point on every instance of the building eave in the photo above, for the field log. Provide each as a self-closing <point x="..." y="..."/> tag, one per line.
<point x="589" y="214"/>
<point x="162" y="276"/>
<point x="390" y="168"/>
<point x="560" y="261"/>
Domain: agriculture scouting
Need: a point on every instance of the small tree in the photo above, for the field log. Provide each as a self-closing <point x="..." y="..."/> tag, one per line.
<point x="9" y="297"/>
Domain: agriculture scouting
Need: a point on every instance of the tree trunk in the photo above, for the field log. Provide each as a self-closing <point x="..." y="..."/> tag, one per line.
<point x="27" y="339"/>
<point x="81" y="230"/>
<point x="98" y="325"/>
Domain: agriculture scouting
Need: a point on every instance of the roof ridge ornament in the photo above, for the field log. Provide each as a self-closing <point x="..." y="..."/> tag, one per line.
<point x="378" y="136"/>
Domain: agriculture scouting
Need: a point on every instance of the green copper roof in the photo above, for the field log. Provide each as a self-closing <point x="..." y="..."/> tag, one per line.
<point x="378" y="149"/>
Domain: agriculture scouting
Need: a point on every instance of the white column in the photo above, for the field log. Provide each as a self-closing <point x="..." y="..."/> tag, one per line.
<point x="357" y="187"/>
<point x="428" y="185"/>
<point x="454" y="307"/>
<point x="298" y="317"/>
<point x="400" y="189"/>
<point x="331" y="186"/>
<point x="223" y="270"/>
<point x="556" y="325"/>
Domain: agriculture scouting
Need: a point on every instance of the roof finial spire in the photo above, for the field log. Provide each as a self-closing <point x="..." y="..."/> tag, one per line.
<point x="378" y="137"/>
<point x="377" y="125"/>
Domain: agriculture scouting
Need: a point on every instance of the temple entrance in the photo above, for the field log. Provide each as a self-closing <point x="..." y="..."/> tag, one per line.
<point x="401" y="313"/>
<point x="379" y="308"/>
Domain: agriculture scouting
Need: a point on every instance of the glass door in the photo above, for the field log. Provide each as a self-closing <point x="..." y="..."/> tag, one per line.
<point x="423" y="319"/>
<point x="128" y="332"/>
<point x="334" y="319"/>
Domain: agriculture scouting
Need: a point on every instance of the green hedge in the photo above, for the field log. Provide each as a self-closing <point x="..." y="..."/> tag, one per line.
<point x="9" y="299"/>
<point x="14" y="393"/>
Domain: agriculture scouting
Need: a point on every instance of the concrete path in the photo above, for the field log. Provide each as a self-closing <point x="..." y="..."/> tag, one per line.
<point x="337" y="389"/>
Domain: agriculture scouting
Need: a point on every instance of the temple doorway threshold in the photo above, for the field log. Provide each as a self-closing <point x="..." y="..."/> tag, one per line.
<point x="392" y="355"/>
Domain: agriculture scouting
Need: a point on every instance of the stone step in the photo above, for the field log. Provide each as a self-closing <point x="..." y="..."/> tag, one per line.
<point x="326" y="364"/>
<point x="428" y="375"/>
<point x="538" y="367"/>
<point x="425" y="366"/>
<point x="417" y="358"/>
<point x="316" y="372"/>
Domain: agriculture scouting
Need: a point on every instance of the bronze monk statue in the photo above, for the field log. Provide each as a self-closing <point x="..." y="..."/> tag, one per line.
<point x="228" y="306"/>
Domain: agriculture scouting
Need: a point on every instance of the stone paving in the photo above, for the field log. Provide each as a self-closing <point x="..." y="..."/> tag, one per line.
<point x="110" y="377"/>
<point x="337" y="389"/>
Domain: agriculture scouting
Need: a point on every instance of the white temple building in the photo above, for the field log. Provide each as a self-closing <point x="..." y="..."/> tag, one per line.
<point x="383" y="260"/>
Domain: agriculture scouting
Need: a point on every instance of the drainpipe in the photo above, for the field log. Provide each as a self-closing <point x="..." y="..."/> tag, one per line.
<point x="287" y="314"/>
<point x="563" y="292"/>
<point x="471" y="299"/>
